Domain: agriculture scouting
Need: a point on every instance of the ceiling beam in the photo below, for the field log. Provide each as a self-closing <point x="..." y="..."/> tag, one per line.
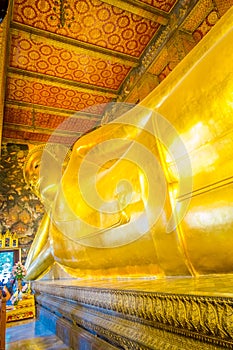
<point x="32" y="129"/>
<point x="53" y="111"/>
<point x="140" y="9"/>
<point x="102" y="52"/>
<point x="92" y="89"/>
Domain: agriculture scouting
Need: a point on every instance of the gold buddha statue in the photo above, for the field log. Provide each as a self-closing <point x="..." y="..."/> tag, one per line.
<point x="149" y="194"/>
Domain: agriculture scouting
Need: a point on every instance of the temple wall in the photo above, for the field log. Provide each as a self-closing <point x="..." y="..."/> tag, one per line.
<point x="20" y="210"/>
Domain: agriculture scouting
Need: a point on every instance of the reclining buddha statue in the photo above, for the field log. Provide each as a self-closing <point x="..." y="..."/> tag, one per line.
<point x="148" y="194"/>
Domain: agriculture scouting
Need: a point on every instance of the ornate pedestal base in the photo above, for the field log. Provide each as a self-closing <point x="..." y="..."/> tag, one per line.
<point x="133" y="315"/>
<point x="23" y="310"/>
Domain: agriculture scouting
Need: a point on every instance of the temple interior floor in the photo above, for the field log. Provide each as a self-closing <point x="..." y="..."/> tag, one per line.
<point x="31" y="335"/>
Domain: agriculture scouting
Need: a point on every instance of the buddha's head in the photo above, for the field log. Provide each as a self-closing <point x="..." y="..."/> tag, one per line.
<point x="43" y="170"/>
<point x="32" y="169"/>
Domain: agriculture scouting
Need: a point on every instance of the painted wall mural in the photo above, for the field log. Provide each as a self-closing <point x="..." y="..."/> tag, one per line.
<point x="20" y="210"/>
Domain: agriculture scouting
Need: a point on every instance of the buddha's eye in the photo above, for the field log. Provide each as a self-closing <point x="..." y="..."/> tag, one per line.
<point x="36" y="166"/>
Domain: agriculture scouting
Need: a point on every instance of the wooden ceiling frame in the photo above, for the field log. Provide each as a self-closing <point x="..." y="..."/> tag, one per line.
<point x="141" y="9"/>
<point x="129" y="86"/>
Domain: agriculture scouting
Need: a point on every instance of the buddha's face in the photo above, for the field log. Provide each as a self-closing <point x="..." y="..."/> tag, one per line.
<point x="32" y="172"/>
<point x="43" y="173"/>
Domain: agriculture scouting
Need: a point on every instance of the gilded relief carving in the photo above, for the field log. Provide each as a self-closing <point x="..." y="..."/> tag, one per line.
<point x="206" y="318"/>
<point x="195" y="317"/>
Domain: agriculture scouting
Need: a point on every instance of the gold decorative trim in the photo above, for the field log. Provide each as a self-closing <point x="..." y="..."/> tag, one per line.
<point x="204" y="318"/>
<point x="128" y="334"/>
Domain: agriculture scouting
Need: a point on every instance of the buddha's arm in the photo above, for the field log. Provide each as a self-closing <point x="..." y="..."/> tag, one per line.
<point x="39" y="241"/>
<point x="40" y="256"/>
<point x="41" y="264"/>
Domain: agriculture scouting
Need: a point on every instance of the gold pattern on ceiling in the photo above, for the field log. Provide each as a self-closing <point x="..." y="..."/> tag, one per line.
<point x="95" y="23"/>
<point x="103" y="51"/>
<point x="30" y="52"/>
